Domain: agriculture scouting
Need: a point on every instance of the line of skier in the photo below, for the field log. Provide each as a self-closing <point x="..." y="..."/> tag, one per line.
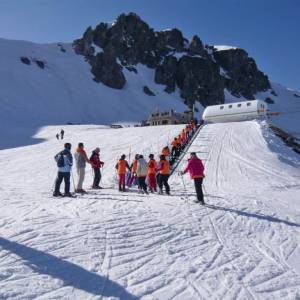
<point x="148" y="175"/>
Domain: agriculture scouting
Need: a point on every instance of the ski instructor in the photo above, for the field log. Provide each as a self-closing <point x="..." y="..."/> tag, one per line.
<point x="196" y="169"/>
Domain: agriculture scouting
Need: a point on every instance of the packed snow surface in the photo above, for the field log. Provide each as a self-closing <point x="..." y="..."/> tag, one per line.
<point x="108" y="245"/>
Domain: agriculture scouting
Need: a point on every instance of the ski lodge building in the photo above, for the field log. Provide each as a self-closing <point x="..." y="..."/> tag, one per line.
<point x="169" y="118"/>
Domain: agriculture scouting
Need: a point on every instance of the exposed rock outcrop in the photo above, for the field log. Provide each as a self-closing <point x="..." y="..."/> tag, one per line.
<point x="244" y="77"/>
<point x="196" y="69"/>
<point x="25" y="60"/>
<point x="148" y="91"/>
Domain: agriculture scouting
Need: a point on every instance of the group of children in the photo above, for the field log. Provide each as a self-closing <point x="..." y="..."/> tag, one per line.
<point x="148" y="175"/>
<point x="156" y="173"/>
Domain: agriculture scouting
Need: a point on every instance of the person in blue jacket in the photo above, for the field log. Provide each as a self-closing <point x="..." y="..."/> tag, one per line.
<point x="64" y="162"/>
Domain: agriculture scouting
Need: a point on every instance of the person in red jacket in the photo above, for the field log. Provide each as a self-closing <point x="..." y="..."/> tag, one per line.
<point x="152" y="166"/>
<point x="96" y="165"/>
<point x="196" y="169"/>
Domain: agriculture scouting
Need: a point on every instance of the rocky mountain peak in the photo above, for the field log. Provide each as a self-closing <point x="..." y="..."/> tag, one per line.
<point x="199" y="71"/>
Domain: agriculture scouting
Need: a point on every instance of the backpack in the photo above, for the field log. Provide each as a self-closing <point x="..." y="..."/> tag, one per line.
<point x="59" y="158"/>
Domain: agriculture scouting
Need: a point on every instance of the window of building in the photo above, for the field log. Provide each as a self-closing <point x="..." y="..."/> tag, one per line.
<point x="230" y="106"/>
<point x="239" y="105"/>
<point x="164" y="122"/>
<point x="248" y="103"/>
<point x="222" y="107"/>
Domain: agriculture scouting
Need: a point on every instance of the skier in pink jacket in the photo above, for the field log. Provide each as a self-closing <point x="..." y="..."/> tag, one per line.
<point x="196" y="169"/>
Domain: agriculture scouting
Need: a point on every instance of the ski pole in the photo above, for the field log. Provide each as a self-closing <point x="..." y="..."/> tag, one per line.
<point x="129" y="154"/>
<point x="204" y="189"/>
<point x="101" y="175"/>
<point x="184" y="187"/>
<point x="73" y="181"/>
<point x="53" y="186"/>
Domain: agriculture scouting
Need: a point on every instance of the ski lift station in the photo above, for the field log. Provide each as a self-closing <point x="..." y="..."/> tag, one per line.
<point x="233" y="112"/>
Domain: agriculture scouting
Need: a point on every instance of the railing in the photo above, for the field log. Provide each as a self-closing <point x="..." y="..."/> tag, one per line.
<point x="186" y="148"/>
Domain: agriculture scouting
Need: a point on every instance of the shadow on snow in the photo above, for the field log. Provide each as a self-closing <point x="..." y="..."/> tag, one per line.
<point x="69" y="273"/>
<point x="253" y="215"/>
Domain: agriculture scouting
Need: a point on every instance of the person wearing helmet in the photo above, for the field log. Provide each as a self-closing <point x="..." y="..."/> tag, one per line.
<point x="152" y="166"/>
<point x="96" y="165"/>
<point x="163" y="175"/>
<point x="141" y="173"/>
<point x="121" y="167"/>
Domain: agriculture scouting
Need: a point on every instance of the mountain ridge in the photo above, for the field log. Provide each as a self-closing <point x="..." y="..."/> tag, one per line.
<point x="200" y="71"/>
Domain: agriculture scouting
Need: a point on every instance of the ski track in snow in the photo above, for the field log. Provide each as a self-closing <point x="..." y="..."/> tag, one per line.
<point x="111" y="245"/>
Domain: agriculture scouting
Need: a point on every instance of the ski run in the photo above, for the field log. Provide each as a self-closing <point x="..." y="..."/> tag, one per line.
<point x="244" y="244"/>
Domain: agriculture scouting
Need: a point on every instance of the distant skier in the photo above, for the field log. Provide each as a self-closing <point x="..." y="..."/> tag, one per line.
<point x="96" y="165"/>
<point x="121" y="167"/>
<point x="62" y="133"/>
<point x="141" y="173"/>
<point x="81" y="160"/>
<point x="64" y="162"/>
<point x="57" y="136"/>
<point x="196" y="169"/>
<point x="163" y="175"/>
<point x="152" y="166"/>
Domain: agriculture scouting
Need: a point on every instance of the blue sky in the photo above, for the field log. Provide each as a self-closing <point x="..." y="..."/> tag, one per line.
<point x="268" y="29"/>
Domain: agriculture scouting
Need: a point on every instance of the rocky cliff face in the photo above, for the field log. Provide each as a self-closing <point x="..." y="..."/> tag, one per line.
<point x="200" y="72"/>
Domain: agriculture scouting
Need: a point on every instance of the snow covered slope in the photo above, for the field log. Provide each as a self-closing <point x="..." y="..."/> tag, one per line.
<point x="286" y="103"/>
<point x="64" y="91"/>
<point x="111" y="245"/>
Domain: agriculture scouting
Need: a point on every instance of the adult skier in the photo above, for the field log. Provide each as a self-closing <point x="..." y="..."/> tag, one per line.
<point x="141" y="173"/>
<point x="152" y="166"/>
<point x="64" y="162"/>
<point x="163" y="175"/>
<point x="81" y="159"/>
<point x="62" y="133"/>
<point x="196" y="169"/>
<point x="121" y="167"/>
<point x="57" y="136"/>
<point x="96" y="165"/>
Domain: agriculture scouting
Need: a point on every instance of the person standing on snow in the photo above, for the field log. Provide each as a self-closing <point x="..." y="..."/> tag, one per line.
<point x="152" y="166"/>
<point x="62" y="133"/>
<point x="96" y="165"/>
<point x="57" y="136"/>
<point x="163" y="175"/>
<point x="81" y="160"/>
<point x="64" y="162"/>
<point x="133" y="170"/>
<point x="121" y="167"/>
<point x="141" y="173"/>
<point x="196" y="169"/>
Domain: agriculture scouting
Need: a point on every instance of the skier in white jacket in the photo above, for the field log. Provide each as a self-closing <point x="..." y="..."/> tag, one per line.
<point x="141" y="173"/>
